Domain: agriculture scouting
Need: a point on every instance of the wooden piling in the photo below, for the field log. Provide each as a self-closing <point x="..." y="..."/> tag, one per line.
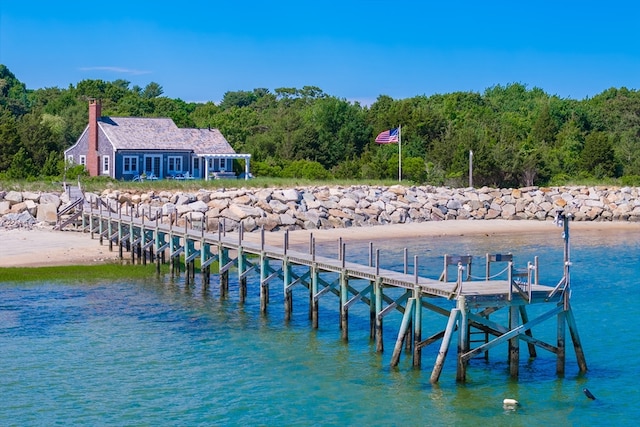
<point x="575" y="337"/>
<point x="143" y="239"/>
<point x="463" y="344"/>
<point x="372" y="307"/>
<point x="561" y="342"/>
<point x="344" y="296"/>
<point x="286" y="270"/>
<point x="417" y="319"/>
<point x="404" y="325"/>
<point x="444" y="345"/>
<point x="378" y="309"/>
<point x="314" y="299"/>
<point x="514" y="343"/>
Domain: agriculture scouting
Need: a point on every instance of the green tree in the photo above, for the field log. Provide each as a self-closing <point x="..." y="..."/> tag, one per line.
<point x="152" y="90"/>
<point x="21" y="166"/>
<point x="598" y="157"/>
<point x="9" y="138"/>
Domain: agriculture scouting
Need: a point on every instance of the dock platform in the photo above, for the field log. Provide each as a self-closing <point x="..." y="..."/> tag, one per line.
<point x="462" y="303"/>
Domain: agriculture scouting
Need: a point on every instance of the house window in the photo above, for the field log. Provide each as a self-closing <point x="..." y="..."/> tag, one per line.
<point x="83" y="160"/>
<point x="218" y="164"/>
<point x="130" y="164"/>
<point x="70" y="158"/>
<point x="175" y="164"/>
<point x="105" y="164"/>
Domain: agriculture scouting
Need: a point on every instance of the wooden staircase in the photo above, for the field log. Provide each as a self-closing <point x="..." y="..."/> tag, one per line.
<point x="72" y="212"/>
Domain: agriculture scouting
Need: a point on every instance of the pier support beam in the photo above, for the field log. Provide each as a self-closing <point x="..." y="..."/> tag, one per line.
<point x="417" y="329"/>
<point x="314" y="299"/>
<point x="514" y="343"/>
<point x="224" y="275"/>
<point x="404" y="326"/>
<point x="463" y="343"/>
<point x="288" y="295"/>
<point x="378" y="314"/>
<point x="344" y="310"/>
<point x="444" y="346"/>
<point x="577" y="345"/>
<point x="525" y="319"/>
<point x="242" y="279"/>
<point x="264" y="285"/>
<point x="561" y="343"/>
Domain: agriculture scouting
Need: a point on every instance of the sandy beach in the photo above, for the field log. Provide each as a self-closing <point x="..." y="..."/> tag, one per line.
<point x="46" y="247"/>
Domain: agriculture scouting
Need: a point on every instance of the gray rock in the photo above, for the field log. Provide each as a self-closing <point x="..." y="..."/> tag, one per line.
<point x="13" y="197"/>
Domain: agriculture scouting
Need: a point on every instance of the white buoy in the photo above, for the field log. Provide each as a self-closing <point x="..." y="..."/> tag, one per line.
<point x="510" y="403"/>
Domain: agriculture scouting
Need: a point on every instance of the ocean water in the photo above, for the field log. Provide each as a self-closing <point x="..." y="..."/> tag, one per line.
<point x="157" y="352"/>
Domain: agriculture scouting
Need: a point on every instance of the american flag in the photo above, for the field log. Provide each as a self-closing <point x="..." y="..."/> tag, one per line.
<point x="388" y="136"/>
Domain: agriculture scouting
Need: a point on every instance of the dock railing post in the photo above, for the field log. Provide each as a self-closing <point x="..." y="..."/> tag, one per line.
<point x="156" y="235"/>
<point x="286" y="272"/>
<point x="372" y="307"/>
<point x="406" y="260"/>
<point x="224" y="258"/>
<point x="313" y="289"/>
<point x="378" y="305"/>
<point x="264" y="270"/>
<point x="417" y="321"/>
<point x="242" y="258"/>
<point x="110" y="231"/>
<point x="100" y="225"/>
<point x="120" y="231"/>
<point x="344" y="296"/>
<point x="132" y="239"/>
<point x="463" y="342"/>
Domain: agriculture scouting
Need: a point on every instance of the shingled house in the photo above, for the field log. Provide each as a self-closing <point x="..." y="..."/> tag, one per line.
<point x="129" y="147"/>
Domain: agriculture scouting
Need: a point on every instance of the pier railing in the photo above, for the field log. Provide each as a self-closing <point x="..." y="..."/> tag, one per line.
<point x="467" y="302"/>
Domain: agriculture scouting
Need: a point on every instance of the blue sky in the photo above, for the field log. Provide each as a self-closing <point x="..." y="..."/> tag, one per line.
<point x="356" y="50"/>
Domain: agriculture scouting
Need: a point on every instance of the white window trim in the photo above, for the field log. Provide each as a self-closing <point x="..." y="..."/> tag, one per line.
<point x="105" y="164"/>
<point x="83" y="160"/>
<point x="70" y="158"/>
<point x="133" y="164"/>
<point x="177" y="161"/>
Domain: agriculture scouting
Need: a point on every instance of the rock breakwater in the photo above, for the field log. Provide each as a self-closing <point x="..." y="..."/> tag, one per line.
<point x="325" y="207"/>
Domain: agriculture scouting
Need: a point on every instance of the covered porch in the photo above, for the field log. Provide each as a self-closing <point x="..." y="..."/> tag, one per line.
<point x="219" y="166"/>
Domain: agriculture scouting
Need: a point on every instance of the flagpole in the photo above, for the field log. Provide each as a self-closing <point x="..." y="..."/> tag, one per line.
<point x="400" y="153"/>
<point x="470" y="168"/>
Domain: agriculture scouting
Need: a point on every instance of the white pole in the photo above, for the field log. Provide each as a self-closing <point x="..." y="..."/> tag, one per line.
<point x="400" y="153"/>
<point x="470" y="168"/>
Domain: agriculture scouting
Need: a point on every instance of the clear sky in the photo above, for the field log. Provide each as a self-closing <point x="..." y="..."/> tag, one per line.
<point x="357" y="50"/>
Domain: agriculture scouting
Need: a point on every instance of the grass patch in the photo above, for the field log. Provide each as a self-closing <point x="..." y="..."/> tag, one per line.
<point x="98" y="184"/>
<point x="100" y="272"/>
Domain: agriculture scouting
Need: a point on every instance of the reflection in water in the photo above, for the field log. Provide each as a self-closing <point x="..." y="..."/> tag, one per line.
<point x="168" y="354"/>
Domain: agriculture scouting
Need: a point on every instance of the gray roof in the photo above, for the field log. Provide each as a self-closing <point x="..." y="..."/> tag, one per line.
<point x="132" y="133"/>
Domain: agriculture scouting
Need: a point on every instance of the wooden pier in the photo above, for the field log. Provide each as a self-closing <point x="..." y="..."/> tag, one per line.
<point x="462" y="304"/>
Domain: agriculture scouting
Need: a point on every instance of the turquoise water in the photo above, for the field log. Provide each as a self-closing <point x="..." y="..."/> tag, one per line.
<point x="156" y="352"/>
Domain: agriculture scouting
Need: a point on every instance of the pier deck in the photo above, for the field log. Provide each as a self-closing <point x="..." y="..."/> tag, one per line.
<point x="466" y="304"/>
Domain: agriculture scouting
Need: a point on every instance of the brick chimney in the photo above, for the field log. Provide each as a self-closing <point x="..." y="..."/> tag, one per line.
<point x="93" y="161"/>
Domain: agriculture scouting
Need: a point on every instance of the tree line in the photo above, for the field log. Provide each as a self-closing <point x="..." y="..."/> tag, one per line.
<point x="519" y="136"/>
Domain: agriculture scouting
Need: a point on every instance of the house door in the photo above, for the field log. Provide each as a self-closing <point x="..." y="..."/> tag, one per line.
<point x="153" y="164"/>
<point x="196" y="167"/>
